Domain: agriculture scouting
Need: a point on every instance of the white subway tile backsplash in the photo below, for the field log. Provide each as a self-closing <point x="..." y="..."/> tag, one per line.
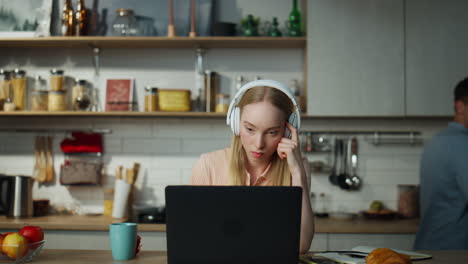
<point x="199" y="146"/>
<point x="151" y="145"/>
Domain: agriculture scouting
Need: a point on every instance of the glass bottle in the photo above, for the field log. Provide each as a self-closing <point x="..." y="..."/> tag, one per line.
<point x="274" y="30"/>
<point x="124" y="24"/>
<point x="19" y="89"/>
<point x="68" y="19"/>
<point x="295" y="21"/>
<point x="198" y="95"/>
<point x="81" y="17"/>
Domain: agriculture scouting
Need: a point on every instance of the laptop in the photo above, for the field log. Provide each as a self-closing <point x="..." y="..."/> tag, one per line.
<point x="233" y="224"/>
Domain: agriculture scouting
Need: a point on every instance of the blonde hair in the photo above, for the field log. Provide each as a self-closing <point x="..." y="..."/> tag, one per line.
<point x="279" y="170"/>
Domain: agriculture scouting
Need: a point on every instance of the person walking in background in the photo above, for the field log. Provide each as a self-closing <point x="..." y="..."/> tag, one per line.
<point x="264" y="117"/>
<point x="444" y="183"/>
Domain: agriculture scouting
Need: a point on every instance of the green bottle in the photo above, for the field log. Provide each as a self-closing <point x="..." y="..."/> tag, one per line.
<point x="295" y="21"/>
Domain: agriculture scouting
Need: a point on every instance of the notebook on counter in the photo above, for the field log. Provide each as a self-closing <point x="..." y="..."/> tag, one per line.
<point x="233" y="224"/>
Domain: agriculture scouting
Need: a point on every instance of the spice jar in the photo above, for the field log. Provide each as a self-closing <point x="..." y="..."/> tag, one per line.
<point x="108" y="201"/>
<point x="151" y="99"/>
<point x="80" y="96"/>
<point x="222" y="103"/>
<point x="56" y="80"/>
<point x="57" y="101"/>
<point x="124" y="24"/>
<point x="19" y="89"/>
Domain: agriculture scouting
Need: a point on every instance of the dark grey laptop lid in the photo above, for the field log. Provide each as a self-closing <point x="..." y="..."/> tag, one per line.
<point x="233" y="224"/>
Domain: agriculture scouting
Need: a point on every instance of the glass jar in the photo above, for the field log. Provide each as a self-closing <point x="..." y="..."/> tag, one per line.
<point x="57" y="101"/>
<point x="81" y="100"/>
<point x="4" y="87"/>
<point x="408" y="200"/>
<point x="19" y="89"/>
<point x="151" y="99"/>
<point x="39" y="100"/>
<point x="222" y="103"/>
<point x="57" y="80"/>
<point x="124" y="24"/>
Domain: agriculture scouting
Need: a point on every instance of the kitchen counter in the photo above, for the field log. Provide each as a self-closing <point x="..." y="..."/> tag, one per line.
<point x="50" y="256"/>
<point x="101" y="223"/>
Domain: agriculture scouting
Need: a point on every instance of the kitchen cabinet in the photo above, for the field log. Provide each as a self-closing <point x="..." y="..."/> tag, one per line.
<point x="355" y="62"/>
<point x="436" y="54"/>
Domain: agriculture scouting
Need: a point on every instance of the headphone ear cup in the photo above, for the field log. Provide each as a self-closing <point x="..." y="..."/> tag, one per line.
<point x="235" y="121"/>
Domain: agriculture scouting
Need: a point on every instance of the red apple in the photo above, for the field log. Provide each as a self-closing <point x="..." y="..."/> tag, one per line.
<point x="32" y="233"/>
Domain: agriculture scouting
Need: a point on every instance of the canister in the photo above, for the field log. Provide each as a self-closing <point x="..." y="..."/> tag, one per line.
<point x="176" y="100"/>
<point x="19" y="88"/>
<point x="57" y="80"/>
<point x="57" y="101"/>
<point x="80" y="96"/>
<point x="222" y="103"/>
<point x="39" y="100"/>
<point x="151" y="99"/>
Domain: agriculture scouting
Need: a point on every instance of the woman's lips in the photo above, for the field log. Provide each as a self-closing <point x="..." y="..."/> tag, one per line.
<point x="257" y="154"/>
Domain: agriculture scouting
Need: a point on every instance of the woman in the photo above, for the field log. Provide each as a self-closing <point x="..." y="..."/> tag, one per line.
<point x="260" y="115"/>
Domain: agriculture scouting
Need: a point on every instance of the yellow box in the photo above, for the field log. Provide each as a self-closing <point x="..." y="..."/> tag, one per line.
<point x="174" y="100"/>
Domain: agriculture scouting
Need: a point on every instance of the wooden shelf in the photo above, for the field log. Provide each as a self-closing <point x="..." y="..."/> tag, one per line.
<point x="112" y="114"/>
<point x="45" y="114"/>
<point x="154" y="42"/>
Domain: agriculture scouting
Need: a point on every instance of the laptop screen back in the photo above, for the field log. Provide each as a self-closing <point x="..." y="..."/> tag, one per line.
<point x="233" y="224"/>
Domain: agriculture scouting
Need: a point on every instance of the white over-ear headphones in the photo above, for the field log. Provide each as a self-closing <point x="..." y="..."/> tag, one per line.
<point x="233" y="114"/>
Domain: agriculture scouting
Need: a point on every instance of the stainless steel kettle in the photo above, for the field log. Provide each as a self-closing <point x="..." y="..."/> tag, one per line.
<point x="16" y="196"/>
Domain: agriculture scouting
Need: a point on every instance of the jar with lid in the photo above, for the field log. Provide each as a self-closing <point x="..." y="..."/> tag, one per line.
<point x="19" y="88"/>
<point x="57" y="80"/>
<point x="81" y="100"/>
<point x="125" y="23"/>
<point x="4" y="87"/>
<point x="151" y="99"/>
<point x="222" y="103"/>
<point x="57" y="101"/>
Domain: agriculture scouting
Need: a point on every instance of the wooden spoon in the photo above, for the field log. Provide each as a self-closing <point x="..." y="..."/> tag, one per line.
<point x="42" y="164"/>
<point x="37" y="158"/>
<point x="49" y="171"/>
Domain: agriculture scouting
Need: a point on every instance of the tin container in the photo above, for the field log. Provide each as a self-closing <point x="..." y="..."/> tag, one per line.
<point x="174" y="100"/>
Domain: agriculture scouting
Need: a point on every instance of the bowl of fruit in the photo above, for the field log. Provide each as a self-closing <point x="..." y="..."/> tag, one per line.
<point x="21" y="246"/>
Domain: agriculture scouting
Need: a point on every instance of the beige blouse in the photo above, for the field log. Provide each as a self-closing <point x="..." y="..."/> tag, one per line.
<point x="213" y="169"/>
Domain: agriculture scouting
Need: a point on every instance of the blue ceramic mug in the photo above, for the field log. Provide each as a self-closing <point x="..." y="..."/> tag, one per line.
<point x="123" y="237"/>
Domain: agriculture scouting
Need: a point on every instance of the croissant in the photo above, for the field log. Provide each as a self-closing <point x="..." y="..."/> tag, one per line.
<point x="387" y="256"/>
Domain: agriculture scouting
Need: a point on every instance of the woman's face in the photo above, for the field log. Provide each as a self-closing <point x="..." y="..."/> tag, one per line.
<point x="261" y="129"/>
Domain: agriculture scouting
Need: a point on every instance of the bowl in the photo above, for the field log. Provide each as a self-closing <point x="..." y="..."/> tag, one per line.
<point x="23" y="253"/>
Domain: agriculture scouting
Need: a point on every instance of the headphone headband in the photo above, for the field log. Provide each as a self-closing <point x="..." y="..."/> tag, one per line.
<point x="269" y="83"/>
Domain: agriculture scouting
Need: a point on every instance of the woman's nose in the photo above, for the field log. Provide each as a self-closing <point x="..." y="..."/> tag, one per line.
<point x="259" y="141"/>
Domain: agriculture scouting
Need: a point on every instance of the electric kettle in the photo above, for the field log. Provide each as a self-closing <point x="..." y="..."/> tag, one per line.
<point x="16" y="196"/>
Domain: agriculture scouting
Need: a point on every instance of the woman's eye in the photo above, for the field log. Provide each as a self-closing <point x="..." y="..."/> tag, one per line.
<point x="274" y="132"/>
<point x="249" y="129"/>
